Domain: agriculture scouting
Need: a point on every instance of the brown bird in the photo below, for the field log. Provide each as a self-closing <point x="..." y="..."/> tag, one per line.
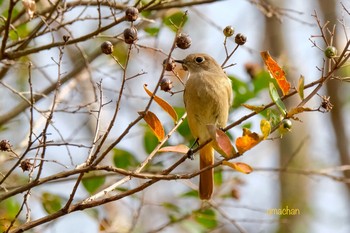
<point x="207" y="97"/>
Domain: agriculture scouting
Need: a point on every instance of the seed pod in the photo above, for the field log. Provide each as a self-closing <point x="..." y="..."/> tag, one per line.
<point x="183" y="41"/>
<point x="166" y="84"/>
<point x="170" y="65"/>
<point x="240" y="39"/>
<point x="107" y="47"/>
<point x="5" y="145"/>
<point x="130" y="35"/>
<point x="131" y="13"/>
<point x="228" y="31"/>
<point x="330" y="52"/>
<point x="26" y="165"/>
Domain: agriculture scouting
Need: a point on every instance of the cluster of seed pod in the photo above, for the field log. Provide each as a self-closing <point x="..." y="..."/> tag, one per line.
<point x="130" y="34"/>
<point x="240" y="39"/>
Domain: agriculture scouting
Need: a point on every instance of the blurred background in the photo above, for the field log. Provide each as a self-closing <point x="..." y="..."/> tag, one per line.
<point x="307" y="169"/>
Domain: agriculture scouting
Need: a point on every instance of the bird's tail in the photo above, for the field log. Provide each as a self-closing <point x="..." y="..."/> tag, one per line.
<point x="206" y="178"/>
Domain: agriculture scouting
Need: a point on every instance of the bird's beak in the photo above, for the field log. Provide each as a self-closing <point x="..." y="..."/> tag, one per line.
<point x="183" y="63"/>
<point x="179" y="61"/>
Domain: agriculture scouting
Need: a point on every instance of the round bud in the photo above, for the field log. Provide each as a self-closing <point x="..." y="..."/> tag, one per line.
<point x="131" y="13"/>
<point x="183" y="41"/>
<point x="107" y="47"/>
<point x="240" y="39"/>
<point x="166" y="84"/>
<point x="228" y="31"/>
<point x="130" y="35"/>
<point x="330" y="52"/>
<point x="170" y="65"/>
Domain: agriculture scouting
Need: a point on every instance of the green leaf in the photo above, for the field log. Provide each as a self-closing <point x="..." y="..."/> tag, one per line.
<point x="51" y="202"/>
<point x="10" y="207"/>
<point x="218" y="178"/>
<point x="261" y="81"/>
<point x="152" y="31"/>
<point x="150" y="141"/>
<point x="171" y="207"/>
<point x="192" y="194"/>
<point x="184" y="129"/>
<point x="242" y="92"/>
<point x="123" y="159"/>
<point x="206" y="218"/>
<point x="93" y="181"/>
<point x="174" y="20"/>
<point x="276" y="99"/>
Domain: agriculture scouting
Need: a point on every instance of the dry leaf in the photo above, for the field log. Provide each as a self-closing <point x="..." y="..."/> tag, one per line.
<point x="298" y="110"/>
<point x="276" y="72"/>
<point x="154" y="123"/>
<point x="247" y="141"/>
<point x="182" y="149"/>
<point x="241" y="167"/>
<point x="30" y="7"/>
<point x="254" y="108"/>
<point x="163" y="104"/>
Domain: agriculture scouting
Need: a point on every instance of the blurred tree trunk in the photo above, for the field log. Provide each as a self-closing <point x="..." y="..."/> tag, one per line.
<point x="334" y="90"/>
<point x="293" y="191"/>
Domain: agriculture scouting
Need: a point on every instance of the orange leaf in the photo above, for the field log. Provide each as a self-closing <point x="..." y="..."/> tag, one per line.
<point x="221" y="142"/>
<point x="276" y="72"/>
<point x="163" y="104"/>
<point x="154" y="123"/>
<point x="247" y="141"/>
<point x="182" y="149"/>
<point x="241" y="167"/>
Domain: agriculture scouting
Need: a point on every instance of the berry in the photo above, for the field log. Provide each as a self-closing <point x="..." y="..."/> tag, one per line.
<point x="166" y="84"/>
<point x="183" y="41"/>
<point x="240" y="39"/>
<point x="130" y="35"/>
<point x="228" y="31"/>
<point x="107" y="47"/>
<point x="131" y="13"/>
<point x="330" y="52"/>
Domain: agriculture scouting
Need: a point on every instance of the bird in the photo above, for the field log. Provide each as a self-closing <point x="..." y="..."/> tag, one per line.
<point x="207" y="98"/>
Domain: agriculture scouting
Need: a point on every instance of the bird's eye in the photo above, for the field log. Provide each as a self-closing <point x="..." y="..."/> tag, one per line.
<point x="199" y="60"/>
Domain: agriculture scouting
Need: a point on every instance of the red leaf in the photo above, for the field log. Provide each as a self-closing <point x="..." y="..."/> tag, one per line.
<point x="221" y="142"/>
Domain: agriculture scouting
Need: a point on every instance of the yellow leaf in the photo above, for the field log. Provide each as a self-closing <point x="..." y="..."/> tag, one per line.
<point x="163" y="104"/>
<point x="247" y="141"/>
<point x="154" y="123"/>
<point x="256" y="109"/>
<point x="265" y="128"/>
<point x="221" y="142"/>
<point x="241" y="167"/>
<point x="182" y="149"/>
<point x="300" y="88"/>
<point x="276" y="72"/>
